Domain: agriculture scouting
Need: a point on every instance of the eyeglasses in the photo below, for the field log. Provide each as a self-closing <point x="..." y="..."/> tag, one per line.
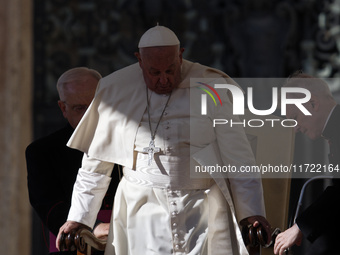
<point x="79" y="108"/>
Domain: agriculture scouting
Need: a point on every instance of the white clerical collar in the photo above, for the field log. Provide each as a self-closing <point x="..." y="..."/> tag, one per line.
<point x="329" y="115"/>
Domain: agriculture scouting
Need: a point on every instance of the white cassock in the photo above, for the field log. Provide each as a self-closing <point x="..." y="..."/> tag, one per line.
<point x="161" y="209"/>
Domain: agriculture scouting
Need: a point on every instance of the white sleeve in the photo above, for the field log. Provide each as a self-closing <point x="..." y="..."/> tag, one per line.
<point x="246" y="188"/>
<point x="92" y="182"/>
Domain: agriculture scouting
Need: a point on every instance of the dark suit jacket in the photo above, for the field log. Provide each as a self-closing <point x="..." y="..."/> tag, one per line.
<point x="52" y="168"/>
<point x="320" y="222"/>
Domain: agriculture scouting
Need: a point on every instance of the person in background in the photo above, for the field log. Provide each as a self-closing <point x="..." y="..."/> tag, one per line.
<point x="52" y="167"/>
<point x="319" y="222"/>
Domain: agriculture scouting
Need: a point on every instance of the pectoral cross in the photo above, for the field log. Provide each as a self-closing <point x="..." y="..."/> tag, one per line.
<point x="151" y="150"/>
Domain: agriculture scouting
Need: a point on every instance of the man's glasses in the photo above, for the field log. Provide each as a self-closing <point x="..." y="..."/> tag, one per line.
<point x="77" y="107"/>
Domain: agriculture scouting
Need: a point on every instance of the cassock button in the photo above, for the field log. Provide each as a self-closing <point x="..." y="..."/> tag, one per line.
<point x="174" y="213"/>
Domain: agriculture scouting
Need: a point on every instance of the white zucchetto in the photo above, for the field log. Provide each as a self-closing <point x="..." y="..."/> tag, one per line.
<point x="158" y="36"/>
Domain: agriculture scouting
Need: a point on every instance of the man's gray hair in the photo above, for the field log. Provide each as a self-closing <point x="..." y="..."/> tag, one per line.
<point x="316" y="86"/>
<point x="77" y="74"/>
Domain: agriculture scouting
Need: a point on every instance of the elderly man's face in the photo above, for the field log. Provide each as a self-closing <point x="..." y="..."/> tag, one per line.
<point x="161" y="67"/>
<point x="76" y="98"/>
<point x="307" y="124"/>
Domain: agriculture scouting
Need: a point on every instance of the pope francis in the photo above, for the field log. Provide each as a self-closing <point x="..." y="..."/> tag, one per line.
<point x="140" y="118"/>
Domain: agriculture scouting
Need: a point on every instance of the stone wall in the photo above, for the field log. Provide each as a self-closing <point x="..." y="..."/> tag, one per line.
<point x="15" y="124"/>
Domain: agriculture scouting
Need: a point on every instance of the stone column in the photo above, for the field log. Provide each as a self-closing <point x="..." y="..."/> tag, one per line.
<point x="16" y="67"/>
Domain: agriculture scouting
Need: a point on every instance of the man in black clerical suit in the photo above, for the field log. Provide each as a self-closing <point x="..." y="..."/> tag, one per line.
<point x="319" y="223"/>
<point x="52" y="167"/>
